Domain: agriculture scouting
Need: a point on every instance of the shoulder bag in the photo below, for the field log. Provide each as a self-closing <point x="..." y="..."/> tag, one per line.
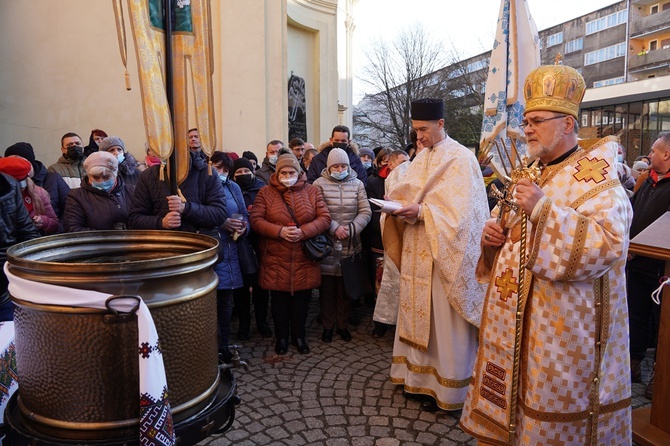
<point x="354" y="270"/>
<point x="316" y="248"/>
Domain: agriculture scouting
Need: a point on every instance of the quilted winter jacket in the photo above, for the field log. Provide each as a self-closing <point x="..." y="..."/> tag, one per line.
<point x="347" y="202"/>
<point x="205" y="207"/>
<point x="284" y="267"/>
<point x="70" y="170"/>
<point x="15" y="222"/>
<point x="90" y="209"/>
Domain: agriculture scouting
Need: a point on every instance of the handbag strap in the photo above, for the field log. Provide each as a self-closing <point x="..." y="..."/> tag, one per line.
<point x="297" y="225"/>
<point x="352" y="237"/>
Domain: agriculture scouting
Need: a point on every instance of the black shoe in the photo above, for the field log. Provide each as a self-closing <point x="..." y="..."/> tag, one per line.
<point x="429" y="404"/>
<point x="265" y="331"/>
<point x="380" y="330"/>
<point x="225" y="355"/>
<point x="636" y="370"/>
<point x="243" y="336"/>
<point x="301" y="345"/>
<point x="281" y="346"/>
<point x="344" y="334"/>
<point x="327" y="335"/>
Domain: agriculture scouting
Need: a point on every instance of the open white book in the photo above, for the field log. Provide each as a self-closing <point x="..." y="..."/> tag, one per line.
<point x="385" y="205"/>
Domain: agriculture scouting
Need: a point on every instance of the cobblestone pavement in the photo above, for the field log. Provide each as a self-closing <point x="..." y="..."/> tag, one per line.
<point x="339" y="394"/>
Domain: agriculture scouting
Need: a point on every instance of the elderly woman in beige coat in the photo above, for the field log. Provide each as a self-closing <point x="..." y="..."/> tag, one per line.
<point x="348" y="204"/>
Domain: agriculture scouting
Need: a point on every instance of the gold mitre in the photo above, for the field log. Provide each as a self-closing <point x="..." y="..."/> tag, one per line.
<point x="557" y="88"/>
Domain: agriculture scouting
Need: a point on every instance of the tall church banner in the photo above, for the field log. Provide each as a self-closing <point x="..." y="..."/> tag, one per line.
<point x="516" y="52"/>
<point x="192" y="63"/>
<point x="297" y="112"/>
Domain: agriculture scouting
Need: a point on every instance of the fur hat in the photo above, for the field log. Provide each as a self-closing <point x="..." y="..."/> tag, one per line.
<point x="15" y="166"/>
<point x="367" y="152"/>
<point x="22" y="149"/>
<point x="101" y="159"/>
<point x="337" y="156"/>
<point x="111" y="141"/>
<point x="240" y="163"/>
<point x="287" y="160"/>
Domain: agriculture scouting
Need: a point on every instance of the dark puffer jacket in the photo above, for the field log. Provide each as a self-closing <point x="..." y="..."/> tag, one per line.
<point x="205" y="207"/>
<point x="129" y="172"/>
<point x="90" y="209"/>
<point x="53" y="183"/>
<point x="284" y="267"/>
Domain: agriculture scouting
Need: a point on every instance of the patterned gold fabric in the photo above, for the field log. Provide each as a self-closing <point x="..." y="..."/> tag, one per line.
<point x="447" y="182"/>
<point x="574" y="385"/>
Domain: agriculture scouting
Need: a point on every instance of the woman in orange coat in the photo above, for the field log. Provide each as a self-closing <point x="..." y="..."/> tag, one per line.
<point x="284" y="269"/>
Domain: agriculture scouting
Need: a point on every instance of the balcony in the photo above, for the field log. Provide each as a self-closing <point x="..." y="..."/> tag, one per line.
<point x="650" y="59"/>
<point x="649" y="24"/>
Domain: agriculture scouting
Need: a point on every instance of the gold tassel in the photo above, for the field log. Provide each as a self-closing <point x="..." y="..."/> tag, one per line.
<point x="209" y="163"/>
<point x="121" y="33"/>
<point x="183" y="199"/>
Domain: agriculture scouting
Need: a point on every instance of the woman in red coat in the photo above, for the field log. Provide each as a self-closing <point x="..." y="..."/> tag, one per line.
<point x="285" y="270"/>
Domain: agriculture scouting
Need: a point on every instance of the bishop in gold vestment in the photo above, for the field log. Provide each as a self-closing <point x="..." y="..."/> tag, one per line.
<point x="573" y="384"/>
<point x="436" y="246"/>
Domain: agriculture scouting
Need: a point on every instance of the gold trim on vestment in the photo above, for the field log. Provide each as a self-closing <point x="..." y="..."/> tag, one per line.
<point x="426" y="391"/>
<point x="421" y="348"/>
<point x="539" y="226"/>
<point x="570" y="417"/>
<point x="595" y="191"/>
<point x="430" y="370"/>
<point x="577" y="246"/>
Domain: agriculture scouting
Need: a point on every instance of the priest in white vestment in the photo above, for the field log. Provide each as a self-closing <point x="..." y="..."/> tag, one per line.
<point x="434" y="241"/>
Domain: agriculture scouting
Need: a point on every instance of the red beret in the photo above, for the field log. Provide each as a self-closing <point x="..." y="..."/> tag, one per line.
<point x="15" y="166"/>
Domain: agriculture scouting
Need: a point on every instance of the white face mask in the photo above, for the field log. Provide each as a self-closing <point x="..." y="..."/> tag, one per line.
<point x="273" y="159"/>
<point x="288" y="182"/>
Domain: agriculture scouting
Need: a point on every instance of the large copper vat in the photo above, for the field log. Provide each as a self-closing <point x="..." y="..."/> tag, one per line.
<point x="78" y="368"/>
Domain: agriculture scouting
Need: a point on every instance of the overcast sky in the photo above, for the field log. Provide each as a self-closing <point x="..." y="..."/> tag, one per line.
<point x="467" y="24"/>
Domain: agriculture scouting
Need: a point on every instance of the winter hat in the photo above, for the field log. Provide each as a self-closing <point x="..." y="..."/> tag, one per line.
<point x="250" y="156"/>
<point x="240" y="163"/>
<point x="637" y="165"/>
<point x="287" y="160"/>
<point x="337" y="156"/>
<point x="101" y="159"/>
<point x="367" y="152"/>
<point x="17" y="167"/>
<point x="111" y="141"/>
<point x="22" y="149"/>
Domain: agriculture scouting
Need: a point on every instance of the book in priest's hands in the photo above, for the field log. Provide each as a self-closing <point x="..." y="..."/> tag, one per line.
<point x="385" y="205"/>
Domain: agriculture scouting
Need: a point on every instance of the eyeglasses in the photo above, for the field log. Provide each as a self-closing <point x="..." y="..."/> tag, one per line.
<point x="535" y="122"/>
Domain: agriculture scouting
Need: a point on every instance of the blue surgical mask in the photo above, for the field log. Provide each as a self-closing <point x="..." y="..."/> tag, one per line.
<point x="223" y="177"/>
<point x="339" y="175"/>
<point x="367" y="164"/>
<point x="273" y="159"/>
<point x="23" y="184"/>
<point x="121" y="156"/>
<point x="620" y="158"/>
<point x="103" y="185"/>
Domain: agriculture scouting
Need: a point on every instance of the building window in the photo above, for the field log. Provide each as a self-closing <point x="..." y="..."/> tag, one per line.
<point x="665" y="43"/>
<point x="555" y="39"/>
<point x="653" y="9"/>
<point x="653" y="45"/>
<point x="574" y="45"/>
<point x="605" y="82"/>
<point x="603" y="54"/>
<point x="606" y="22"/>
<point x="477" y="65"/>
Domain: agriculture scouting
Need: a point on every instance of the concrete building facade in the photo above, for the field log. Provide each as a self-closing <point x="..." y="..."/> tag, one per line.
<point x="62" y="72"/>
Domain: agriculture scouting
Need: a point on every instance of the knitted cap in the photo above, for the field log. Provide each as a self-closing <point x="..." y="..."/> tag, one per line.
<point x="287" y="160"/>
<point x="101" y="159"/>
<point x="15" y="166"/>
<point x="111" y="141"/>
<point x="22" y="149"/>
<point x="367" y="152"/>
<point x="337" y="156"/>
<point x="240" y="163"/>
<point x="640" y="165"/>
<point x="250" y="156"/>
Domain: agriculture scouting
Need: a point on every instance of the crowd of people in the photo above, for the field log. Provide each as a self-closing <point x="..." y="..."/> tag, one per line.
<point x="520" y="317"/>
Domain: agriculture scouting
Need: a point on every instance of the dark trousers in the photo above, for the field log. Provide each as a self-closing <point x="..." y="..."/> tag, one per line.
<point x="335" y="306"/>
<point x="243" y="298"/>
<point x="643" y="314"/>
<point x="224" y="313"/>
<point x="290" y="311"/>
